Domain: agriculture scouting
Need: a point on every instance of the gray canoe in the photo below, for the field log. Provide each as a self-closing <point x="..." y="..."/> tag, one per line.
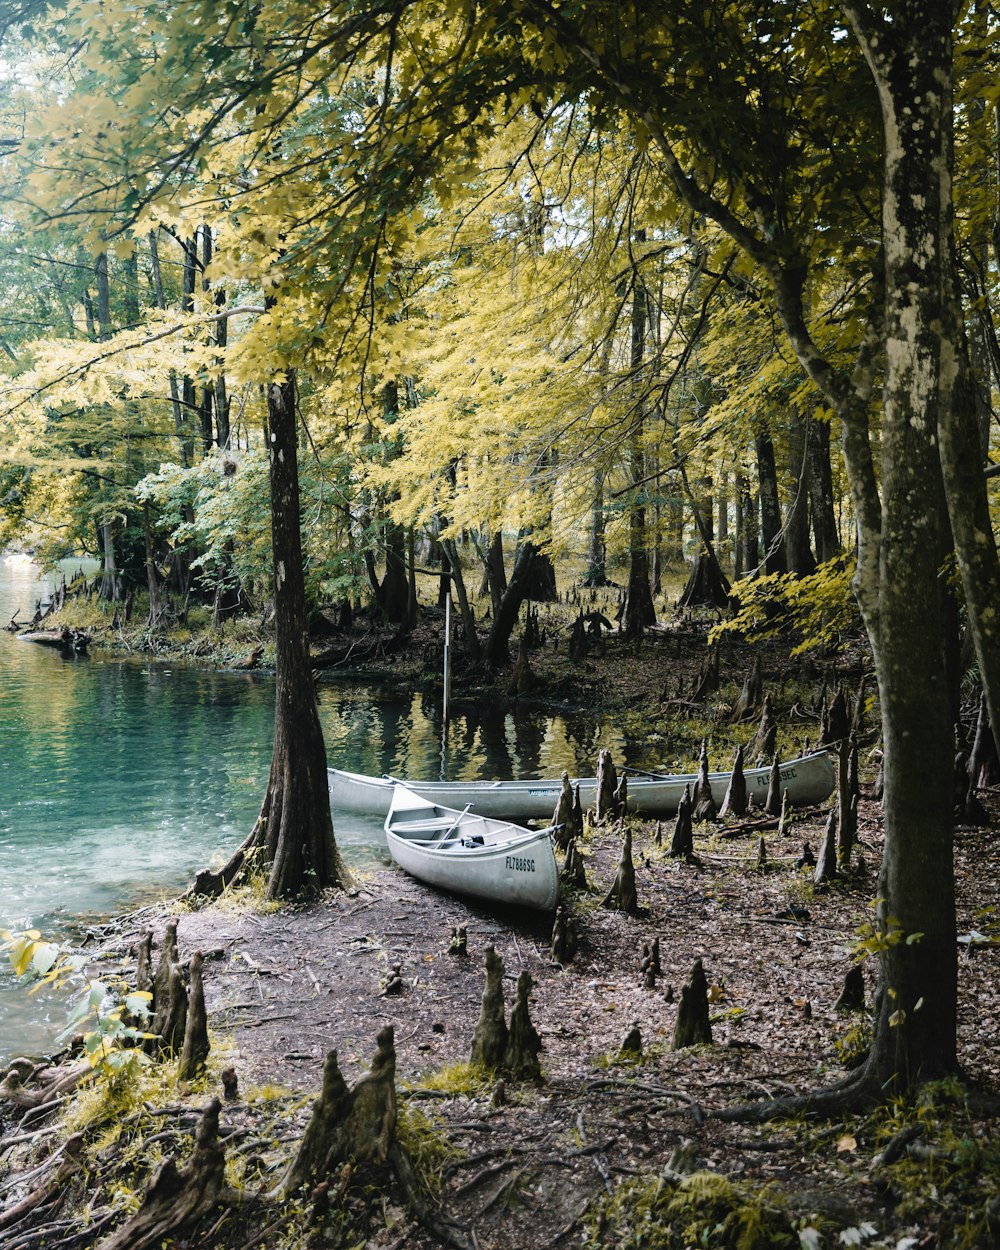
<point x="468" y="854"/>
<point x="808" y="779"/>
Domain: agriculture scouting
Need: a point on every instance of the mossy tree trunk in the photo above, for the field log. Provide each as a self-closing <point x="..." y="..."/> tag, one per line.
<point x="294" y="831"/>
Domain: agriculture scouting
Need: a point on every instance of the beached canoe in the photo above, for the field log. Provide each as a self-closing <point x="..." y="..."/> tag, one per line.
<point x="468" y="854"/>
<point x="807" y="778"/>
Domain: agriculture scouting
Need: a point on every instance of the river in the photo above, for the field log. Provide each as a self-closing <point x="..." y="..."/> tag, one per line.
<point x="119" y="778"/>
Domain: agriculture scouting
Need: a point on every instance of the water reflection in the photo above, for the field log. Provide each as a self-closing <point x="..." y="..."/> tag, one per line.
<point x="119" y="778"/>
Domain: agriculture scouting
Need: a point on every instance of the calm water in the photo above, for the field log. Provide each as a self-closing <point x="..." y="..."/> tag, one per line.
<point x="119" y="779"/>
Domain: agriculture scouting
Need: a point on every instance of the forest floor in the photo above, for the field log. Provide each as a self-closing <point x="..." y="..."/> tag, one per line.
<point x="612" y="1148"/>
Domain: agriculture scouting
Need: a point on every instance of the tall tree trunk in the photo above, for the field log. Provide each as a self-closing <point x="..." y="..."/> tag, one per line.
<point x="911" y="62"/>
<point x="505" y="618"/>
<point x="111" y="582"/>
<point x="494" y="581"/>
<point x="295" y="815"/>
<point x="152" y="577"/>
<point x="393" y="594"/>
<point x="394" y="589"/>
<point x="180" y="419"/>
<point x="796" y="527"/>
<point x="738" y="523"/>
<point x="821" y="500"/>
<point x="188" y="284"/>
<point x="597" y="569"/>
<point x="751" y="530"/>
<point x="205" y="407"/>
<point x="472" y="645"/>
<point x="294" y="832"/>
<point x="639" y="610"/>
<point x="770" y="506"/>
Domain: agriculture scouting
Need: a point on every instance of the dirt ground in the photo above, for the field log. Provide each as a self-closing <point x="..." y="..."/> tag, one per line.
<point x="596" y="1155"/>
<point x="533" y="1165"/>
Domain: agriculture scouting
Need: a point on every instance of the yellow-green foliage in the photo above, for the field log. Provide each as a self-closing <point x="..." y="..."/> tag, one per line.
<point x="821" y="606"/>
<point x="703" y="1209"/>
<point x="102" y="1011"/>
<point x="469" y="1080"/>
<point x="425" y="1139"/>
<point x="949" y="1174"/>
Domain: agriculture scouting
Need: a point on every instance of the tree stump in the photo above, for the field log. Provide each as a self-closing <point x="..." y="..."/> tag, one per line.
<point x="834" y="724"/>
<point x="761" y="854"/>
<point x="168" y="960"/>
<point x="562" y="817"/>
<point x="650" y="957"/>
<point x="693" y="1026"/>
<point x="649" y="964"/>
<point x="607" y="783"/>
<point x="169" y="1022"/>
<point x="522" y="681"/>
<point x="735" y="801"/>
<point x="703" y="804"/>
<point x="578" y="640"/>
<point x="772" y="804"/>
<point x="707" y="585"/>
<point x="574" y="873"/>
<point x="682" y="842"/>
<point x="459" y="944"/>
<point x="177" y="1198"/>
<point x="807" y="859"/>
<point x="826" y="862"/>
<point x="489" y="1042"/>
<point x="523" y="1042"/>
<point x="621" y="795"/>
<point x="356" y="1124"/>
<point x="852" y="996"/>
<point x="564" y="937"/>
<point x="785" y="819"/>
<point x="631" y="1047"/>
<point x="622" y="895"/>
<point x="848" y="793"/>
<point x="767" y="732"/>
<point x="707" y="681"/>
<point x="195" y="1047"/>
<point x="577" y="812"/>
<point x="144" y="963"/>
<point x="393" y="983"/>
<point x="748" y="700"/>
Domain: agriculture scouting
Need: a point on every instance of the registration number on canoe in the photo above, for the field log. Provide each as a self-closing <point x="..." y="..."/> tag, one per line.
<point x="519" y="864"/>
<point x="786" y="774"/>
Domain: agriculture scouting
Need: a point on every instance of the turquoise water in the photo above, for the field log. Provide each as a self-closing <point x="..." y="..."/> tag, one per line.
<point x="120" y="778"/>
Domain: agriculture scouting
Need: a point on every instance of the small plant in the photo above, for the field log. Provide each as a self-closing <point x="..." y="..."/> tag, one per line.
<point x="853" y="1046"/>
<point x="425" y="1141"/>
<point x="470" y="1080"/>
<point x="701" y="1209"/>
<point x="102" y="1012"/>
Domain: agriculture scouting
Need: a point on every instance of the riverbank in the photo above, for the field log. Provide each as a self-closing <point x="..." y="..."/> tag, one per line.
<point x="615" y="1147"/>
<point x="579" y="1158"/>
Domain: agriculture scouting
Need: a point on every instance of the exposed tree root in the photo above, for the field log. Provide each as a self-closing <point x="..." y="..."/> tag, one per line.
<point x="859" y="1092"/>
<point x="14" y="1090"/>
<point x="50" y="1188"/>
<point x="178" y="1197"/>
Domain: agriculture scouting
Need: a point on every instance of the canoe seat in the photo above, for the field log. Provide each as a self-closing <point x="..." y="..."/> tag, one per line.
<point x="430" y="824"/>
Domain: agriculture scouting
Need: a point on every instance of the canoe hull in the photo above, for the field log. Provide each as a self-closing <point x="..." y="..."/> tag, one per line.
<point x="472" y="855"/>
<point x="808" y="779"/>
